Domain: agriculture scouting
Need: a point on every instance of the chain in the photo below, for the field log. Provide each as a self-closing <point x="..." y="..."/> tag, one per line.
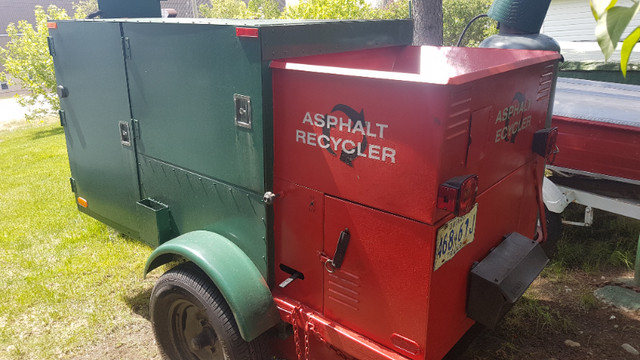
<point x="620" y="284"/>
<point x="296" y="335"/>
<point x="308" y="327"/>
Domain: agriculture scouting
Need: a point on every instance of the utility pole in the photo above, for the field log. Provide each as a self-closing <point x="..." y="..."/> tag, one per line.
<point x="427" y="22"/>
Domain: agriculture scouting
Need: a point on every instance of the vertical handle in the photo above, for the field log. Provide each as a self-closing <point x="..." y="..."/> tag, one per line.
<point x="341" y="249"/>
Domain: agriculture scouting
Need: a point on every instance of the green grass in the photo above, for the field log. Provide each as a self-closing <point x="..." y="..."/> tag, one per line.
<point x="66" y="279"/>
<point x="611" y="242"/>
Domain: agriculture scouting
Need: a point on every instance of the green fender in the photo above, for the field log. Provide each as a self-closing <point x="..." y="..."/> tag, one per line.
<point x="233" y="273"/>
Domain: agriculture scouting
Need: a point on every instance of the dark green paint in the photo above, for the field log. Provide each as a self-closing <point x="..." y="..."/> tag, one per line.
<point x="197" y="202"/>
<point x="129" y="8"/>
<point x="89" y="63"/>
<point x="233" y="273"/>
<point x="189" y="167"/>
<point x="182" y="78"/>
<point x="156" y="222"/>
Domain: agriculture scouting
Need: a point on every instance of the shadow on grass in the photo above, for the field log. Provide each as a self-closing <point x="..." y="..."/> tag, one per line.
<point x="139" y="303"/>
<point x="48" y="132"/>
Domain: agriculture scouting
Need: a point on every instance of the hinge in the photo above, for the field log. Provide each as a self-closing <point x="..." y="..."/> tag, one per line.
<point x="74" y="188"/>
<point x="126" y="45"/>
<point x="136" y="128"/>
<point x="63" y="117"/>
<point x="52" y="49"/>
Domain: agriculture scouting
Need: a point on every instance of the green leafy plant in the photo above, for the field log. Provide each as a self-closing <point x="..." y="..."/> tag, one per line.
<point x="83" y="8"/>
<point x="456" y="14"/>
<point x="306" y="9"/>
<point x="263" y="9"/>
<point x="26" y="59"/>
<point x="225" y="9"/>
<point x="611" y="22"/>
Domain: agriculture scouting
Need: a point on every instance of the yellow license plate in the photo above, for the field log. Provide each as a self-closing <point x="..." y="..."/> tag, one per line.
<point x="453" y="236"/>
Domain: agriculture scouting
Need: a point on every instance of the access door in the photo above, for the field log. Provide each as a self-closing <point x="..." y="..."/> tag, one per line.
<point x="381" y="289"/>
<point x="92" y="86"/>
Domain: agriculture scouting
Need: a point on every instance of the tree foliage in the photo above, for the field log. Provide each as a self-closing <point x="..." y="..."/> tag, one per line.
<point x="456" y="14"/>
<point x="305" y="9"/>
<point x="27" y="61"/>
<point x="611" y="22"/>
<point x="83" y="8"/>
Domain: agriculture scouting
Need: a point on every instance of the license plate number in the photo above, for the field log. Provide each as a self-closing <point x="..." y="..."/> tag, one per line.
<point x="453" y="236"/>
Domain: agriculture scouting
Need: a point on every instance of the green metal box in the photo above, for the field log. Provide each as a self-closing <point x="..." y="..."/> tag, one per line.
<point x="168" y="122"/>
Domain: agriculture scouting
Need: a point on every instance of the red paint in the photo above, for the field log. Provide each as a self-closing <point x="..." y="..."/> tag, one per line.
<point x="52" y="25"/>
<point x="247" y="32"/>
<point x="411" y="118"/>
<point x="327" y="331"/>
<point x="598" y="147"/>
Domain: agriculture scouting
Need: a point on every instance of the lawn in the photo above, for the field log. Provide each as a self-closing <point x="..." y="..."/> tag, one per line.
<point x="67" y="280"/>
<point x="72" y="288"/>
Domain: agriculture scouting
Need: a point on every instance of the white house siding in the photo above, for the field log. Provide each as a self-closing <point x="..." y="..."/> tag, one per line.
<point x="572" y="20"/>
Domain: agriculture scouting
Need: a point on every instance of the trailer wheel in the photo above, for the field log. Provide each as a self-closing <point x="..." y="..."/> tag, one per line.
<point x="192" y="321"/>
<point x="554" y="232"/>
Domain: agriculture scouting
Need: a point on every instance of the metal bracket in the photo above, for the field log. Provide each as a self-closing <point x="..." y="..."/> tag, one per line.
<point x="136" y="128"/>
<point x="588" y="218"/>
<point x="52" y="49"/>
<point x="63" y="117"/>
<point x="126" y="47"/>
<point x="242" y="104"/>
<point x="624" y="207"/>
<point x="74" y="187"/>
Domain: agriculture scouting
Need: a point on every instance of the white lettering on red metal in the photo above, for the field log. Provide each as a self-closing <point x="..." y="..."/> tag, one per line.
<point x="512" y="119"/>
<point x="346" y="136"/>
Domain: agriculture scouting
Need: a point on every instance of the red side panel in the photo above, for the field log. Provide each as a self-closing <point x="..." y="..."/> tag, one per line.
<point x="299" y="215"/>
<point x="509" y="206"/>
<point x="598" y="147"/>
<point x="382" y="287"/>
<point x="384" y="139"/>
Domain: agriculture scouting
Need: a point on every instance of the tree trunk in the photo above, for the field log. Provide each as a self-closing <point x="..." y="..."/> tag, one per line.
<point x="427" y="22"/>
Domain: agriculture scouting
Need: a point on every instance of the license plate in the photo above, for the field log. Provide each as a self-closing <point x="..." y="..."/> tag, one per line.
<point x="453" y="236"/>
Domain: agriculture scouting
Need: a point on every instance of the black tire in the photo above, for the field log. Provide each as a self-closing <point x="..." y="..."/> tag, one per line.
<point x="554" y="232"/>
<point x="192" y="321"/>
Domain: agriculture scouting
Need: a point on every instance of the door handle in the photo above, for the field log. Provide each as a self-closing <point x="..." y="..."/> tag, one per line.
<point x="341" y="249"/>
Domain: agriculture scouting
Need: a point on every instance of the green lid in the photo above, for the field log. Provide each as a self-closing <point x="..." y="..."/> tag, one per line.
<point x="524" y="15"/>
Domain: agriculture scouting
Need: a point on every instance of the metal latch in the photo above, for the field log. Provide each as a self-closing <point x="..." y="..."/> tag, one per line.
<point x="243" y="110"/>
<point x="341" y="250"/>
<point x="63" y="117"/>
<point x="62" y="91"/>
<point x="125" y="133"/>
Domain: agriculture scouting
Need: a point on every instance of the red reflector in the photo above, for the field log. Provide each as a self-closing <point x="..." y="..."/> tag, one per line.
<point x="247" y="32"/>
<point x="458" y="194"/>
<point x="52" y="25"/>
<point x="468" y="192"/>
<point x="447" y="198"/>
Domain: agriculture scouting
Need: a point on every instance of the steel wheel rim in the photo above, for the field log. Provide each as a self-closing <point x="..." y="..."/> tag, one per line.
<point x="194" y="337"/>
